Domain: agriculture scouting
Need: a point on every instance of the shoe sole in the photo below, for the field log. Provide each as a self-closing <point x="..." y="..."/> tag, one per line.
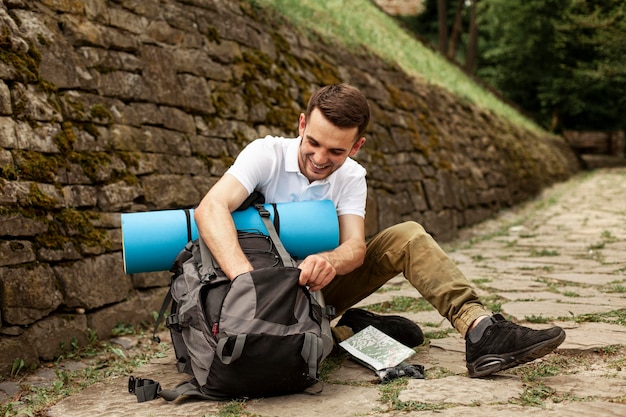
<point x="489" y="364"/>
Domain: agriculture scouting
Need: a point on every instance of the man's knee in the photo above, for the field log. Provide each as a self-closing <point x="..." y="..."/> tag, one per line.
<point x="408" y="231"/>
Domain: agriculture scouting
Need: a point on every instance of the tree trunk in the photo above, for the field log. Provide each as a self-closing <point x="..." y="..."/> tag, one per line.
<point x="443" y="25"/>
<point x="456" y="29"/>
<point x="472" y="44"/>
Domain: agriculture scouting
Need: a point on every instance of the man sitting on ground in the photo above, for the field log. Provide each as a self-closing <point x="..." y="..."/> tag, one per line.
<point x="317" y="165"/>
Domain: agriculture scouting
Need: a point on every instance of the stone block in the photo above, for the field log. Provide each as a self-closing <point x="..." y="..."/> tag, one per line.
<point x="18" y="225"/>
<point x="103" y="320"/>
<point x="58" y="334"/>
<point x="137" y="310"/>
<point x="170" y="191"/>
<point x="33" y="103"/>
<point x="7" y="133"/>
<point x="67" y="253"/>
<point x="125" y="85"/>
<point x="151" y="279"/>
<point x="176" y="119"/>
<point x="17" y="348"/>
<point x="16" y="252"/>
<point x="118" y="196"/>
<point x="80" y="195"/>
<point x="94" y="282"/>
<point x="5" y="100"/>
<point x="6" y="160"/>
<point x="174" y="164"/>
<point x="28" y="294"/>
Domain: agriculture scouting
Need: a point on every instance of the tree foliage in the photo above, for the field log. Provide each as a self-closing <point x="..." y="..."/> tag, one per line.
<point x="562" y="61"/>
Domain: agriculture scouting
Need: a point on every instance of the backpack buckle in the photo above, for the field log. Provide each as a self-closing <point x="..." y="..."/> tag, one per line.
<point x="134" y="383"/>
<point x="172" y="322"/>
<point x="144" y="389"/>
<point x="262" y="210"/>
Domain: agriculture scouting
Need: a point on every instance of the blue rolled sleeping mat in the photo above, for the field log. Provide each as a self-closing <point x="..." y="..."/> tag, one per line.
<point x="151" y="240"/>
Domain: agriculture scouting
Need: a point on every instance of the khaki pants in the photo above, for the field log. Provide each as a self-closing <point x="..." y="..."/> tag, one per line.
<point x="408" y="249"/>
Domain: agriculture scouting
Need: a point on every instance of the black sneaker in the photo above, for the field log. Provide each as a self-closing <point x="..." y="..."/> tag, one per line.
<point x="399" y="328"/>
<point x="505" y="344"/>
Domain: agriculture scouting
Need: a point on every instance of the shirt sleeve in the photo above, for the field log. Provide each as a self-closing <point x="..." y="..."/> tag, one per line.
<point x="353" y="195"/>
<point x="253" y="165"/>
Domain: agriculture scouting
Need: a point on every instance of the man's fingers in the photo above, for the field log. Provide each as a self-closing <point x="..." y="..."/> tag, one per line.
<point x="316" y="272"/>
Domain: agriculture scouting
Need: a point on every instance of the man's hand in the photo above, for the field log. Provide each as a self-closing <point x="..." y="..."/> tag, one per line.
<point x="317" y="272"/>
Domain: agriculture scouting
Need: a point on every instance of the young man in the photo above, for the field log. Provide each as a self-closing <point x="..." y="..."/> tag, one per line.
<point x="317" y="166"/>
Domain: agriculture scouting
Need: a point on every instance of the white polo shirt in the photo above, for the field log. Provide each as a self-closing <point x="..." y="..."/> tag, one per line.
<point x="270" y="165"/>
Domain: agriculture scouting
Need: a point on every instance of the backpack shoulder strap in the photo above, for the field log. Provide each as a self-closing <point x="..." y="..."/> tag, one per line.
<point x="282" y="252"/>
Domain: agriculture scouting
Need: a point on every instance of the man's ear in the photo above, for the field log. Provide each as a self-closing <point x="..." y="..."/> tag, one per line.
<point x="301" y="124"/>
<point x="357" y="145"/>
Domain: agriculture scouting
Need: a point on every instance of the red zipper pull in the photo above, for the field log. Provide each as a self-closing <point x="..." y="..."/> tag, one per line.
<point x="215" y="329"/>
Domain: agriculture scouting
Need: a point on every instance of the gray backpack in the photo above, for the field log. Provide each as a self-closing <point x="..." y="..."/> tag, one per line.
<point x="260" y="335"/>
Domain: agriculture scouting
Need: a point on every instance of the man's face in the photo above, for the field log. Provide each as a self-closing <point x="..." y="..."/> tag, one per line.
<point x="324" y="147"/>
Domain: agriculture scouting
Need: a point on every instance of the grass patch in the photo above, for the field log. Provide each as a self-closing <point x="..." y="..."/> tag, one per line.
<point x="571" y="294"/>
<point x="596" y="246"/>
<point x="361" y="25"/>
<point x="617" y="288"/>
<point x="401" y="304"/>
<point x="233" y="409"/>
<point x="493" y="302"/>
<point x="390" y="392"/>
<point x="437" y="334"/>
<point x="438" y="372"/>
<point x="537" y="319"/>
<point x="480" y="282"/>
<point x="544" y="252"/>
<point x="613" y="317"/>
<point x="536" y="394"/>
<point x="553" y="284"/>
<point x="331" y="364"/>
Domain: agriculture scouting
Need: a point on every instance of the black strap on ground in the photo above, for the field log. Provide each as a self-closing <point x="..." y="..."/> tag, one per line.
<point x="149" y="389"/>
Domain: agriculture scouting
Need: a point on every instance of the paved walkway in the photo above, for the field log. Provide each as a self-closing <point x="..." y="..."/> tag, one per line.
<point x="558" y="259"/>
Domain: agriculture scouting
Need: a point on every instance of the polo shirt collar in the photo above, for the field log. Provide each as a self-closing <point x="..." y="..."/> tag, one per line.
<point x="291" y="161"/>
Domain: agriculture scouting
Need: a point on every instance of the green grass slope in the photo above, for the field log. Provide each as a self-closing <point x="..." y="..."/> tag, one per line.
<point x="360" y="24"/>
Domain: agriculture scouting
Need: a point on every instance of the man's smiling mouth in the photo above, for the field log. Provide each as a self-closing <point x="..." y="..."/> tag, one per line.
<point x="318" y="167"/>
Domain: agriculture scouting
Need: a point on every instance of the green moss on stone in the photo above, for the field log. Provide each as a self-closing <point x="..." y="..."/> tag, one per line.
<point x="213" y="35"/>
<point x="100" y="112"/>
<point x="37" y="199"/>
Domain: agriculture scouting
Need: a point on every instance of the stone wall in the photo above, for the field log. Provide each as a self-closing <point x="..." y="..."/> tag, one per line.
<point x="123" y="105"/>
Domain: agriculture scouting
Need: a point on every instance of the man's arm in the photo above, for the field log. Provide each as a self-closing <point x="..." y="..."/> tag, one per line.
<point x="217" y="228"/>
<point x="319" y="269"/>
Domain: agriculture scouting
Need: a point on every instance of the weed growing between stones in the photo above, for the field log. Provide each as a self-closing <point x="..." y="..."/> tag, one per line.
<point x="102" y="360"/>
<point x="493" y="302"/>
<point x="402" y="304"/>
<point x="331" y="364"/>
<point x="543" y="252"/>
<point x="537" y="319"/>
<point x="233" y="409"/>
<point x="536" y="391"/>
<point x="614" y="317"/>
<point x="616" y="288"/>
<point x="390" y="392"/>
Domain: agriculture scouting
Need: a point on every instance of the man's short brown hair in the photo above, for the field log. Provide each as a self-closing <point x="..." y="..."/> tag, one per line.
<point x="343" y="105"/>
